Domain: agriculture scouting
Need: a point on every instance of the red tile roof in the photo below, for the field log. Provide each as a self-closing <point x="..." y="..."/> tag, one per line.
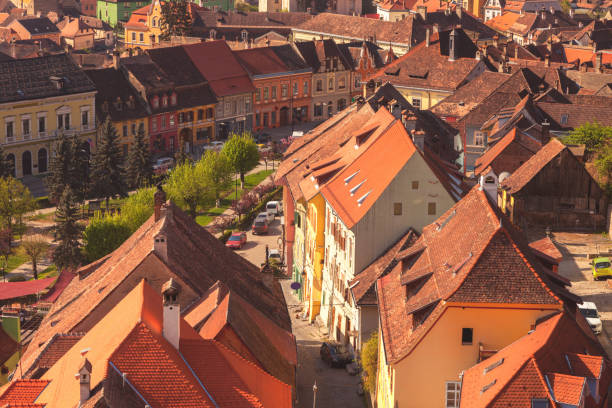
<point x="274" y="348"/>
<point x="8" y="346"/>
<point x="514" y="136"/>
<point x="22" y="392"/>
<point x="262" y="61"/>
<point x="470" y="254"/>
<point x="64" y="278"/>
<point x="524" y="174"/>
<point x="12" y="290"/>
<point x="56" y="348"/>
<point x="544" y="364"/>
<point x="546" y="248"/>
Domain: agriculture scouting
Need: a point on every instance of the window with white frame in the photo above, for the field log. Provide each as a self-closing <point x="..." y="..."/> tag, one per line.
<point x="85" y="117"/>
<point x="453" y="391"/>
<point x="42" y="123"/>
<point x="416" y="103"/>
<point x="479" y="138"/>
<point x="9" y="125"/>
<point x="25" y="125"/>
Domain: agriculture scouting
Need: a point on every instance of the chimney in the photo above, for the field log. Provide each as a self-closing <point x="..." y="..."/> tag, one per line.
<point x="545" y="137"/>
<point x="488" y="182"/>
<point x="427" y="37"/>
<point x="172" y="312"/>
<point x="422" y="10"/>
<point x="159" y="199"/>
<point x="598" y="58"/>
<point x="496" y="40"/>
<point x="452" y="46"/>
<point x="13" y="49"/>
<point x="160" y="246"/>
<point x="409" y="121"/>
<point x="116" y="60"/>
<point x="571" y="12"/>
<point x="84" y="377"/>
<point x="543" y="13"/>
<point x="516" y="51"/>
<point x="418" y="137"/>
<point x="459" y="11"/>
<point x="547" y="60"/>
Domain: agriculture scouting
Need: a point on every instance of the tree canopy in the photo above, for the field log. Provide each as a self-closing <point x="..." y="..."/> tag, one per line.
<point x="139" y="170"/>
<point x="15" y="201"/>
<point x="188" y="187"/>
<point x="597" y="140"/>
<point x="217" y="172"/>
<point x="68" y="232"/>
<point x="241" y="151"/>
<point x="175" y="19"/>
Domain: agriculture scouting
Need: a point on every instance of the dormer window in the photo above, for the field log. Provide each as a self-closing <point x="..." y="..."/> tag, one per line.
<point x="155" y="102"/>
<point x="173" y="99"/>
<point x="164" y="101"/>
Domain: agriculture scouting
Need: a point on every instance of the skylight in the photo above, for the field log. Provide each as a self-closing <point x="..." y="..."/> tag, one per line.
<point x="489" y="385"/>
<point x="493" y="366"/>
<point x="363" y="197"/>
<point x="349" y="178"/>
<point x="354" y="189"/>
<point x="447" y="220"/>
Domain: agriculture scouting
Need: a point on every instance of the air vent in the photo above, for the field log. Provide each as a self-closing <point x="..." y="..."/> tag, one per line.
<point x="354" y="189"/>
<point x="363" y="197"/>
<point x="349" y="178"/>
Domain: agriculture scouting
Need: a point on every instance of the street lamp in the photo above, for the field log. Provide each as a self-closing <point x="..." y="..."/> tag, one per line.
<point x="314" y="394"/>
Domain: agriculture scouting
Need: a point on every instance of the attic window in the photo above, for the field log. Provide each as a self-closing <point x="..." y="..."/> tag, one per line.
<point x="539" y="403"/>
<point x="393" y="71"/>
<point x="361" y="199"/>
<point x="489" y="385"/>
<point x="493" y="366"/>
<point x="564" y="118"/>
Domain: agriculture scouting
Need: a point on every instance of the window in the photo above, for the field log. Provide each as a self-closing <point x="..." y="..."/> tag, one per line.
<point x="258" y="95"/>
<point x="357" y="81"/>
<point x="209" y="113"/>
<point x="9" y="129"/>
<point x="284" y="90"/>
<point x="273" y="118"/>
<point x="25" y="126"/>
<point x="305" y="88"/>
<point x="467" y="335"/>
<point x="141" y="37"/>
<point x="155" y="102"/>
<point x="164" y="100"/>
<point x="266" y="93"/>
<point x="173" y="99"/>
<point x="479" y="138"/>
<point x="200" y="114"/>
<point x="171" y="120"/>
<point x="265" y="119"/>
<point x="42" y="124"/>
<point x="331" y="84"/>
<point x="154" y="124"/>
<point x="273" y="92"/>
<point x="453" y="392"/>
<point x="319" y="85"/>
<point x="125" y="130"/>
<point x="63" y="121"/>
<point x="341" y="83"/>
<point x="397" y="208"/>
<point x="539" y="403"/>
<point x="415" y="185"/>
<point x="416" y="102"/>
<point x="257" y="119"/>
<point x="295" y="88"/>
<point x="204" y="133"/>
<point x="163" y="122"/>
<point x="84" y="119"/>
<point x="247" y="105"/>
<point x="330" y="108"/>
<point x="564" y="118"/>
<point x="133" y="36"/>
<point x="318" y="109"/>
<point x="431" y="208"/>
<point x="341" y="104"/>
<point x="172" y="144"/>
<point x="154" y="21"/>
<point x="133" y="128"/>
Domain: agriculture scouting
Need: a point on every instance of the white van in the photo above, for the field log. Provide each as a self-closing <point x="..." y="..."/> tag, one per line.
<point x="274" y="207"/>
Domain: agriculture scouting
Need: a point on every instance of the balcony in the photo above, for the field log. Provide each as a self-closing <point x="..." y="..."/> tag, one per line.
<point x="26" y="136"/>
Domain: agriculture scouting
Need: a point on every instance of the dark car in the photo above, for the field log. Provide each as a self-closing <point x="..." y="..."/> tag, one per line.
<point x="260" y="226"/>
<point x="335" y="354"/>
<point x="236" y="240"/>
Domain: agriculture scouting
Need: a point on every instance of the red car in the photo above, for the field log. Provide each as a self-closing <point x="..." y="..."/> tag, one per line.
<point x="236" y="240"/>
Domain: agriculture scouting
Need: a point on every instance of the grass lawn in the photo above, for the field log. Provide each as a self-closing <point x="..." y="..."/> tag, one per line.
<point x="48" y="272"/>
<point x="250" y="181"/>
<point x="49" y="217"/>
<point x="207" y="216"/>
<point x="14" y="261"/>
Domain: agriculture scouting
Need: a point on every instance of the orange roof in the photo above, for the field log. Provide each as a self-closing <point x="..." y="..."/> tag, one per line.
<point x="396" y="5"/>
<point x="546" y="248"/>
<point x="22" y="392"/>
<point x="539" y="365"/>
<point x="128" y="342"/>
<point x="354" y="190"/>
<point x="586" y="55"/>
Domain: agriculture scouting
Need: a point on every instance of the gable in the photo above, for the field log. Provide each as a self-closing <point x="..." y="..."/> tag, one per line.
<point x="498" y="272"/>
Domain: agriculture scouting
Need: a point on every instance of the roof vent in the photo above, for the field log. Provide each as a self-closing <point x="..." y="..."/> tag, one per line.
<point x="446" y="220"/>
<point x="361" y="199"/>
<point x="493" y="366"/>
<point x="489" y="385"/>
<point x="354" y="189"/>
<point x="349" y="178"/>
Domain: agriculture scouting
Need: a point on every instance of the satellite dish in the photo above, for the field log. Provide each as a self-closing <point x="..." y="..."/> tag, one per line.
<point x="296" y="285"/>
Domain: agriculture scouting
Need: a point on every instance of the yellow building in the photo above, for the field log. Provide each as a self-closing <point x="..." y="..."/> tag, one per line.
<point x="299" y="247"/>
<point x="143" y="28"/>
<point x="441" y="306"/>
<point x="118" y="100"/>
<point x="315" y="246"/>
<point x="42" y="97"/>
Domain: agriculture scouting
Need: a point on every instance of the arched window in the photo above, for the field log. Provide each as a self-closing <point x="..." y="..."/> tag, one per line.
<point x="26" y="163"/>
<point x="165" y="100"/>
<point x="42" y="160"/>
<point x="154" y="22"/>
<point x="213" y="34"/>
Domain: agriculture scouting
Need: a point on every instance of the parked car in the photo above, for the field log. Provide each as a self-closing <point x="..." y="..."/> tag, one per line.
<point x="162" y="165"/>
<point x="335" y="354"/>
<point x="260" y="226"/>
<point x="601" y="268"/>
<point x="274" y="207"/>
<point x="274" y="254"/>
<point x="216" y="145"/>
<point x="590" y="313"/>
<point x="265" y="216"/>
<point x="236" y="240"/>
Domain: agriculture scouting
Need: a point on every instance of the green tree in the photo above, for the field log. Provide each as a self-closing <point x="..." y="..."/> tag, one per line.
<point x="566" y="6"/>
<point x="139" y="170"/>
<point x="79" y="168"/>
<point x="68" y="232"/>
<point x="107" y="176"/>
<point x="15" y="201"/>
<point x="60" y="168"/>
<point x="369" y="362"/>
<point x="138" y="208"/>
<point x="217" y="173"/>
<point x="603" y="162"/>
<point x="241" y="151"/>
<point x="34" y="247"/>
<point x="188" y="187"/>
<point x="592" y="135"/>
<point x="175" y="19"/>
<point x="7" y="168"/>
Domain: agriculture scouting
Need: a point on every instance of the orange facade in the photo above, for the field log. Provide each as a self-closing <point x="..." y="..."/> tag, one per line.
<point x="281" y="100"/>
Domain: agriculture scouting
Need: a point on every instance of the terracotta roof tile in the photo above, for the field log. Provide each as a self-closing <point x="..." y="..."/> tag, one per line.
<point x="498" y="151"/>
<point x="22" y="391"/>
<point x="545" y="247"/>
<point x="56" y="348"/>
<point x="460" y="249"/>
<point x="8" y="346"/>
<point x="532" y="167"/>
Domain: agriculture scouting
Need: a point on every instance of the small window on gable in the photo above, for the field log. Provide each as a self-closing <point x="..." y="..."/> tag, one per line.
<point x="173" y="99"/>
<point x="467" y="335"/>
<point x="431" y="208"/>
<point x="539" y="403"/>
<point x="415" y="185"/>
<point x="155" y="102"/>
<point x="164" y="100"/>
<point x="397" y="208"/>
<point x="564" y="118"/>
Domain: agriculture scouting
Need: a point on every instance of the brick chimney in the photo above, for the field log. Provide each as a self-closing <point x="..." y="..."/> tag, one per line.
<point x="159" y="198"/>
<point x="410" y="122"/>
<point x="598" y="60"/>
<point x="172" y="313"/>
<point x="84" y="377"/>
<point x="545" y="136"/>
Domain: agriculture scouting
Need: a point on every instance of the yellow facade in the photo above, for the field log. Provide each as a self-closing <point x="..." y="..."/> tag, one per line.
<point x="196" y="125"/>
<point x="315" y="224"/>
<point x="426" y="98"/>
<point x="127" y="131"/>
<point x="29" y="129"/>
<point x="143" y="29"/>
<point x="420" y="378"/>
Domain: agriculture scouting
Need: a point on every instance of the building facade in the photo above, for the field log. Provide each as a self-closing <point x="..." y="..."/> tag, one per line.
<point x="32" y="117"/>
<point x="114" y="12"/>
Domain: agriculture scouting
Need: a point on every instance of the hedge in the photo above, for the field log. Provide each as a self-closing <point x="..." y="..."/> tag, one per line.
<point x="247" y="220"/>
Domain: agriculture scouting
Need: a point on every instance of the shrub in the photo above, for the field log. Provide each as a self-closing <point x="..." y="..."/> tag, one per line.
<point x="17" y="279"/>
<point x="225" y="236"/>
<point x="43" y="202"/>
<point x="103" y="235"/>
<point x="369" y="362"/>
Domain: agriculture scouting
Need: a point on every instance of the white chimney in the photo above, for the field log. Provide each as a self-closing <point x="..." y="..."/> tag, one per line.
<point x="488" y="183"/>
<point x="160" y="246"/>
<point x="172" y="312"/>
<point x="84" y="377"/>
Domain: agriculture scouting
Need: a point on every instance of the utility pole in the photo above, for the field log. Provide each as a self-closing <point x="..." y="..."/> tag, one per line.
<point x="314" y="394"/>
